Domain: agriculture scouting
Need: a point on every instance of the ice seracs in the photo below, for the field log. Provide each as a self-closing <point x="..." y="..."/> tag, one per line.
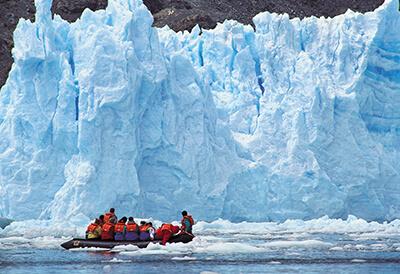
<point x="295" y="119"/>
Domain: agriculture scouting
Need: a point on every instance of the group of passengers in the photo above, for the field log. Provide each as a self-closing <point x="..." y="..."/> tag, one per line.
<point x="108" y="228"/>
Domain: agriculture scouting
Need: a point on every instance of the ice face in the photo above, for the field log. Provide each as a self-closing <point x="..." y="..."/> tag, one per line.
<point x="297" y="119"/>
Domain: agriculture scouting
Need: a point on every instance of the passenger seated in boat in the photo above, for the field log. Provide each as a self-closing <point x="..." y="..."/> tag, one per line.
<point x="108" y="231"/>
<point x="151" y="230"/>
<point x="120" y="229"/>
<point x="187" y="222"/>
<point x="94" y="230"/>
<point x="132" y="230"/>
<point x="166" y="231"/>
<point x="144" y="233"/>
<point x="110" y="216"/>
<point x="101" y="219"/>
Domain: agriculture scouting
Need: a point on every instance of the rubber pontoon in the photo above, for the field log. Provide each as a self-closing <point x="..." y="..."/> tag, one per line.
<point x="84" y="243"/>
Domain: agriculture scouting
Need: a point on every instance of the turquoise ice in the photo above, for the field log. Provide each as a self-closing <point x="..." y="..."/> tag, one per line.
<point x="295" y="119"/>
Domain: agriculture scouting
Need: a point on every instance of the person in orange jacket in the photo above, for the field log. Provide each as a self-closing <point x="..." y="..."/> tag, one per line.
<point x="166" y="231"/>
<point x="110" y="216"/>
<point x="120" y="229"/>
<point x="108" y="231"/>
<point x="132" y="230"/>
<point x="187" y="222"/>
<point x="93" y="231"/>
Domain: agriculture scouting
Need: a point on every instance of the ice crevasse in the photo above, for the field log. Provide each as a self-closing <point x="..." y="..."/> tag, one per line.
<point x="295" y="119"/>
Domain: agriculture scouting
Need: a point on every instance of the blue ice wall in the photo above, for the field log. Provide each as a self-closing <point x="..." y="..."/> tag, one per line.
<point x="296" y="119"/>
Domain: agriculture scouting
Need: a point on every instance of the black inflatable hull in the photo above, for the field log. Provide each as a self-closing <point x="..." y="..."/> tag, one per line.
<point x="83" y="243"/>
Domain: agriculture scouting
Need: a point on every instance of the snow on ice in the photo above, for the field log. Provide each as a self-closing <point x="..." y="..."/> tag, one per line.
<point x="295" y="119"/>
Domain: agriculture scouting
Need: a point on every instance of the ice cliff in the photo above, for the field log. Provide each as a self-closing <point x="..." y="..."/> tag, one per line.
<point x="296" y="119"/>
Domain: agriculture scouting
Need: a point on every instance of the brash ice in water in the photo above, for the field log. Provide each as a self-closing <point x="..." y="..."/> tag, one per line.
<point x="321" y="245"/>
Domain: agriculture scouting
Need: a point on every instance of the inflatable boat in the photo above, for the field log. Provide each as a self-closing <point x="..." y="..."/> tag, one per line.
<point x="84" y="243"/>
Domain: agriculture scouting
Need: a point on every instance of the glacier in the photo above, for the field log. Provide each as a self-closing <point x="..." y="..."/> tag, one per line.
<point x="295" y="119"/>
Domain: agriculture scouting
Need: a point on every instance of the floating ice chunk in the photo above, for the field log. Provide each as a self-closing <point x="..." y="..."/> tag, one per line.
<point x="185" y="258"/>
<point x="46" y="242"/>
<point x="360" y="246"/>
<point x="121" y="248"/>
<point x="116" y="260"/>
<point x="358" y="261"/>
<point x="379" y="246"/>
<point x="228" y="248"/>
<point x="297" y="244"/>
<point x="31" y="229"/>
<point x="107" y="268"/>
<point x="336" y="248"/>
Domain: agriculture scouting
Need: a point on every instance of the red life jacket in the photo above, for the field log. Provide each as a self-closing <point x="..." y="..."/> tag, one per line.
<point x="91" y="228"/>
<point x="167" y="227"/>
<point x="119" y="228"/>
<point x="144" y="228"/>
<point x="108" y="216"/>
<point x="108" y="231"/>
<point x="131" y="227"/>
<point x="108" y="227"/>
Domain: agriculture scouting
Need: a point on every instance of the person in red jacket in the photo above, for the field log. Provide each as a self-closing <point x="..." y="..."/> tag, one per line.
<point x="108" y="231"/>
<point x="110" y="216"/>
<point x="166" y="231"/>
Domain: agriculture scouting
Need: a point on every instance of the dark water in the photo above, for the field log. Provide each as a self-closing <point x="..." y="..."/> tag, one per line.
<point x="286" y="261"/>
